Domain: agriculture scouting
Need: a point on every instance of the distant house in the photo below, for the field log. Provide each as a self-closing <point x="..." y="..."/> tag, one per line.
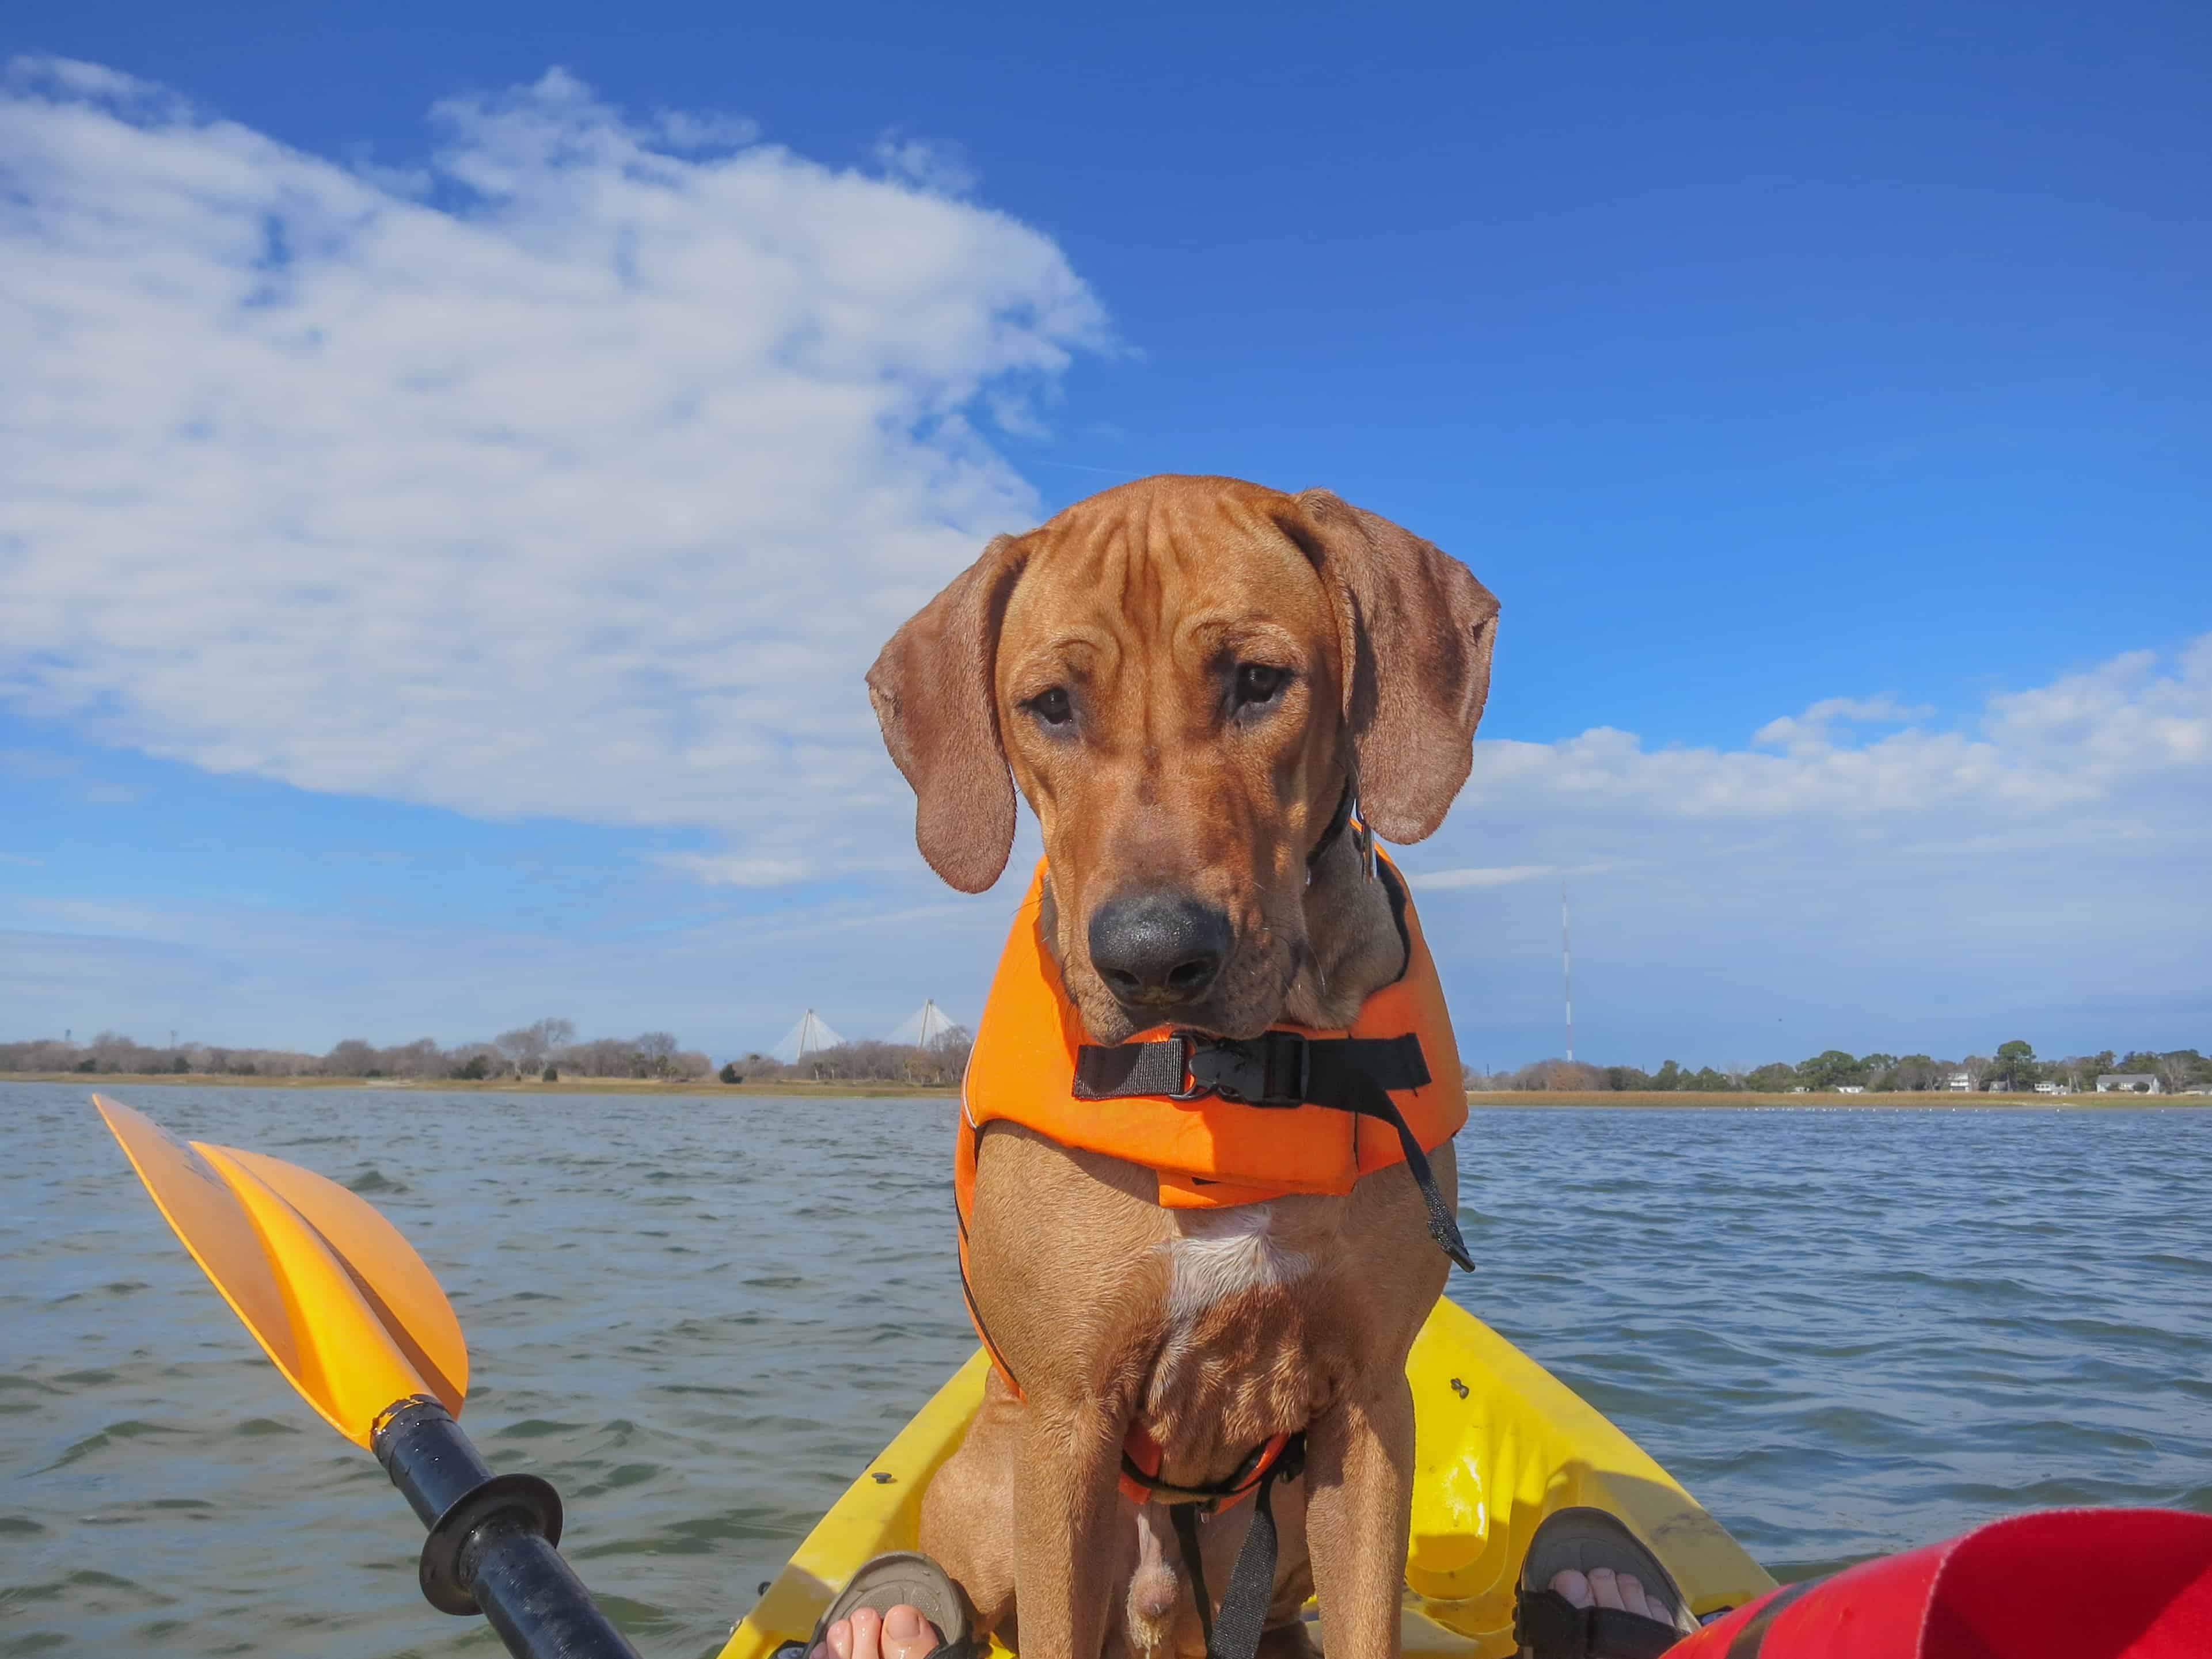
<point x="1850" y="1088"/>
<point x="2051" y="1088"/>
<point x="2127" y="1083"/>
<point x="1960" y="1083"/>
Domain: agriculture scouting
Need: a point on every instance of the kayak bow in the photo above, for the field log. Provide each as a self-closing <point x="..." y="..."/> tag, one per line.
<point x="1498" y="1443"/>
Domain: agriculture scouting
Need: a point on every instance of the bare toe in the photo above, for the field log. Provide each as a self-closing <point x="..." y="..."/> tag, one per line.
<point x="1572" y="1585"/>
<point x="1603" y="1585"/>
<point x="1632" y="1599"/>
<point x="907" y="1635"/>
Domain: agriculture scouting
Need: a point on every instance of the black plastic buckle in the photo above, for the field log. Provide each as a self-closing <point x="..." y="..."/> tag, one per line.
<point x="1271" y="1069"/>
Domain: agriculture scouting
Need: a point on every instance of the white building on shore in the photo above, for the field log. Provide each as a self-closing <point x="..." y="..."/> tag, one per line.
<point x="2127" y="1083"/>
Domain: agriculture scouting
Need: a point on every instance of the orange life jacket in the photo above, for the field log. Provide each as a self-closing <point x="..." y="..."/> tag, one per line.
<point x="1031" y="1058"/>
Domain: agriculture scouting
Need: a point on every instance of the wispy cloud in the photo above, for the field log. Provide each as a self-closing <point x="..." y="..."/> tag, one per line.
<point x="2128" y="738"/>
<point x="1501" y="875"/>
<point x="721" y="871"/>
<point x="933" y="164"/>
<point x="1507" y="875"/>
<point x="589" y="491"/>
<point x="1874" y="882"/>
<point x="1814" y="726"/>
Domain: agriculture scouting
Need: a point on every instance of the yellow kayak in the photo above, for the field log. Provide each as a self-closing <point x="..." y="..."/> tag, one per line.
<point x="1500" y="1443"/>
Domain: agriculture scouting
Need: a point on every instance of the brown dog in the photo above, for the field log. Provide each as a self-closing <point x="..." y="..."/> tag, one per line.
<point x="1185" y="676"/>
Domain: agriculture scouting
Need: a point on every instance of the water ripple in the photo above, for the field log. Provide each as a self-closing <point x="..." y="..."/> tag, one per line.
<point x="1845" y="1332"/>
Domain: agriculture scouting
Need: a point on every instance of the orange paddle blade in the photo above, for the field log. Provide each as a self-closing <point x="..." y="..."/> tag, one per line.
<point x="329" y="1288"/>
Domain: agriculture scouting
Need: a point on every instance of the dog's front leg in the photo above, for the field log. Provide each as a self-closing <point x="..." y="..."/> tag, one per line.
<point x="1066" y="1492"/>
<point x="1359" y="1488"/>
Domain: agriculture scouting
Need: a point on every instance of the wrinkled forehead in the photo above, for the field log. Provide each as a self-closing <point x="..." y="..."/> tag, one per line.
<point x="1186" y="571"/>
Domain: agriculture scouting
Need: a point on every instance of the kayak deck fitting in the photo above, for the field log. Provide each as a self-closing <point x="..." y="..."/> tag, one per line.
<point x="1500" y="1444"/>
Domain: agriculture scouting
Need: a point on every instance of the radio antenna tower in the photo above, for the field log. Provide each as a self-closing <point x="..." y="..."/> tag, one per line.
<point x="1567" y="970"/>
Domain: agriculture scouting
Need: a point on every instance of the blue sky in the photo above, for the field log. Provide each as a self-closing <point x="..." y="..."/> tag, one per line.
<point x="446" y="507"/>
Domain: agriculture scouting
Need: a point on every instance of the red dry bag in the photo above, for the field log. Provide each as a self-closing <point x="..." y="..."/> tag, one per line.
<point x="2055" y="1584"/>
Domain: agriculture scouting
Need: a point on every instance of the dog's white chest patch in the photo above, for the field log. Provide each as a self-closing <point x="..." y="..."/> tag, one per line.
<point x="1224" y="1252"/>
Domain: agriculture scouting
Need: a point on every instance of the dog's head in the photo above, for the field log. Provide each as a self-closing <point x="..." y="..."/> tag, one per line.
<point x="1184" y="675"/>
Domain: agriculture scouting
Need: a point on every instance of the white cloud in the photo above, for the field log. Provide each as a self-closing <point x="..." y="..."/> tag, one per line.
<point x="1503" y="875"/>
<point x="1811" y="728"/>
<point x="585" y="484"/>
<point x="933" y="165"/>
<point x="2044" y="866"/>
<point x="2125" y="739"/>
<point x="1513" y="875"/>
<point x="722" y="871"/>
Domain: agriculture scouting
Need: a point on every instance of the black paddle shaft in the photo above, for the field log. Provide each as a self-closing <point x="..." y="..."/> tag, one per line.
<point x="491" y="1544"/>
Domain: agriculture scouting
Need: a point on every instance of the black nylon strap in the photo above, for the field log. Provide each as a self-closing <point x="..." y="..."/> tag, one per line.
<point x="1127" y="1069"/>
<point x="1548" y="1625"/>
<point x="1393" y="1062"/>
<point x="1185" y="1517"/>
<point x="1368" y="1099"/>
<point x="1235" y="1633"/>
<point x="1254" y="1070"/>
<point x="1281" y="1069"/>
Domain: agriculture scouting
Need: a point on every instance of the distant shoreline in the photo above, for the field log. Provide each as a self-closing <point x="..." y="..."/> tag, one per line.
<point x="510" y="1086"/>
<point x="1931" y="1100"/>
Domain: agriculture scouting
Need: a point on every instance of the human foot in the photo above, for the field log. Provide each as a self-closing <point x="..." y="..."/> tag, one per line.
<point x="1589" y="1587"/>
<point x="1604" y="1587"/>
<point x="899" y="1605"/>
<point x="901" y="1633"/>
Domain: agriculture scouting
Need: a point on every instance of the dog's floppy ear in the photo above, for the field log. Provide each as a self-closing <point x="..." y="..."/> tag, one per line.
<point x="932" y="689"/>
<point x="1416" y="629"/>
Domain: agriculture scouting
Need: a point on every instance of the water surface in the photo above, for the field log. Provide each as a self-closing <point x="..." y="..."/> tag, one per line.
<point x="1845" y="1332"/>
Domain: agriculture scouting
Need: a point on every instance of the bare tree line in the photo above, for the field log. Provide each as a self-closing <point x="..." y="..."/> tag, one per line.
<point x="2012" y="1068"/>
<point x="546" y="1050"/>
<point x="937" y="1064"/>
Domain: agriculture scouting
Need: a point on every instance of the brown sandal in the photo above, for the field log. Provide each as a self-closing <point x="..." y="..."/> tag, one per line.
<point x="1549" y="1626"/>
<point x="910" y="1578"/>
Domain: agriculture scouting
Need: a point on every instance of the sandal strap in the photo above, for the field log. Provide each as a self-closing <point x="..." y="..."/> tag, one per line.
<point x="908" y="1576"/>
<point x="1549" y="1626"/>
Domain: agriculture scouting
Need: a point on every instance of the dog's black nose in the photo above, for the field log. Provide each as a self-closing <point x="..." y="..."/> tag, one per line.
<point x="1158" y="951"/>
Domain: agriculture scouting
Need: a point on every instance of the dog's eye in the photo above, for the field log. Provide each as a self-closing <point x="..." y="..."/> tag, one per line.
<point x="1052" y="707"/>
<point x="1257" y="682"/>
